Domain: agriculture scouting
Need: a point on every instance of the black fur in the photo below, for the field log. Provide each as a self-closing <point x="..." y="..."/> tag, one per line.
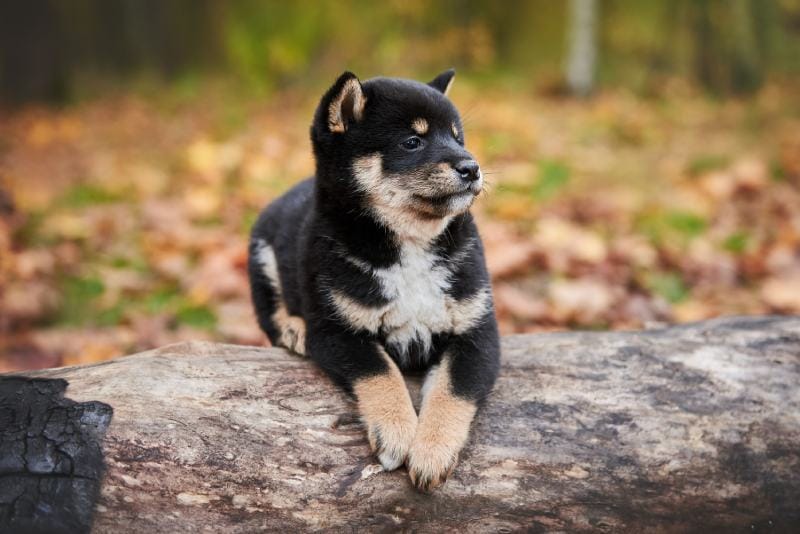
<point x="327" y="235"/>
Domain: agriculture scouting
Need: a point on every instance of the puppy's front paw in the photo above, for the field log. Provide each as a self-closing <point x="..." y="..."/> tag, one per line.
<point x="387" y="413"/>
<point x="391" y="437"/>
<point x="431" y="461"/>
<point x="443" y="428"/>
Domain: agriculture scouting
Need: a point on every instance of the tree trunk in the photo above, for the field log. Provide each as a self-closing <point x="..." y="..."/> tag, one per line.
<point x="582" y="47"/>
<point x="668" y="430"/>
<point x="729" y="45"/>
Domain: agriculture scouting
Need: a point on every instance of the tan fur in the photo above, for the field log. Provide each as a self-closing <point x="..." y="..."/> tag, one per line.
<point x="386" y="409"/>
<point x="359" y="316"/>
<point x="292" y="327"/>
<point x="293" y="330"/>
<point x="439" y="177"/>
<point x="350" y="90"/>
<point x="420" y="126"/>
<point x="442" y="431"/>
<point x="392" y="204"/>
<point x="466" y="313"/>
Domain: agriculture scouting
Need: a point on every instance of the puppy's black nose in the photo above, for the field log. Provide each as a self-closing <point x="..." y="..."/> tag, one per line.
<point x="468" y="169"/>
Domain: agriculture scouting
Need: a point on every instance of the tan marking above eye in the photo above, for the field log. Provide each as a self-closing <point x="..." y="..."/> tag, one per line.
<point x="420" y="126"/>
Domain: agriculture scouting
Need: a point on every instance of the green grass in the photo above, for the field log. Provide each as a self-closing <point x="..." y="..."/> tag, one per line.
<point x="686" y="223"/>
<point x="553" y="176"/>
<point x="736" y="243"/>
<point x="498" y="143"/>
<point x="197" y="317"/>
<point x="111" y="316"/>
<point x="673" y="226"/>
<point x="78" y="300"/>
<point x="248" y="220"/>
<point x="83" y="195"/>
<point x="80" y="305"/>
<point x="707" y="163"/>
<point x="776" y="171"/>
<point x="668" y="285"/>
<point x="163" y="300"/>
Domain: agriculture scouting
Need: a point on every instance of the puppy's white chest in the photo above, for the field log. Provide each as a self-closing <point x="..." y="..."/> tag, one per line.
<point x="417" y="287"/>
<point x="419" y="302"/>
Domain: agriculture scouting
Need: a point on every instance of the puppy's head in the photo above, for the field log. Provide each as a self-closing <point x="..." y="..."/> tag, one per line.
<point x="396" y="144"/>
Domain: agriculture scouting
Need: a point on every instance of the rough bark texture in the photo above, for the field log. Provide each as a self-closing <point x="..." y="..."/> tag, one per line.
<point x="51" y="462"/>
<point x="686" y="428"/>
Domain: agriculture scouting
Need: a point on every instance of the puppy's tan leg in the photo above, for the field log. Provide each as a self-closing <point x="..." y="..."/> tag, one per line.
<point x="387" y="413"/>
<point x="442" y="431"/>
<point x="292" y="329"/>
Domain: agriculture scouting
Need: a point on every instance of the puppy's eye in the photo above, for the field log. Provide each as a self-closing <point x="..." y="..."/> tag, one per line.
<point x="412" y="143"/>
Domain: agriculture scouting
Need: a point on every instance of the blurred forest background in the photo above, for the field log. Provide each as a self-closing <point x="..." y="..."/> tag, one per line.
<point x="644" y="156"/>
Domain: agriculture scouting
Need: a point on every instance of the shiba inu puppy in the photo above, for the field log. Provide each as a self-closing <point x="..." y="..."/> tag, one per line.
<point x="375" y="266"/>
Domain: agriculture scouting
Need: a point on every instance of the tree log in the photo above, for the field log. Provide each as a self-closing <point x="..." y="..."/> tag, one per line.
<point x="670" y="430"/>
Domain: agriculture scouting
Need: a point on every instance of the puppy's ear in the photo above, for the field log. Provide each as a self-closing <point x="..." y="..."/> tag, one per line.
<point x="346" y="103"/>
<point x="444" y="81"/>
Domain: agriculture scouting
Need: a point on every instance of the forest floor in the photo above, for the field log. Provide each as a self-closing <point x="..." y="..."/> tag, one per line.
<point x="124" y="220"/>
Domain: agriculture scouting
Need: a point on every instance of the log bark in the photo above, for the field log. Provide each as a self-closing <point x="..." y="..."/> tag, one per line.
<point x="671" y="430"/>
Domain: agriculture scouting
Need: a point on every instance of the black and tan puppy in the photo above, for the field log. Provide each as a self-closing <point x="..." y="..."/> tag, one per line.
<point x="375" y="266"/>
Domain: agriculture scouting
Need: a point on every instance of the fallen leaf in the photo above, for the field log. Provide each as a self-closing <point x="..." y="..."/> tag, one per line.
<point x="782" y="292"/>
<point x="584" y="300"/>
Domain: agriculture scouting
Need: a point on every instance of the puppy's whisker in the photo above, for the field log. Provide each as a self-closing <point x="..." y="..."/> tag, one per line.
<point x="470" y="114"/>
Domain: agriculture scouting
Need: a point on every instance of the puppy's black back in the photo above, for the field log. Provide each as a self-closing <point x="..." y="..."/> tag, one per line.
<point x="280" y="227"/>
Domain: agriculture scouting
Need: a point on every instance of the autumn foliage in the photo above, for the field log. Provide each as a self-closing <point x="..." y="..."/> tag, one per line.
<point x="124" y="219"/>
